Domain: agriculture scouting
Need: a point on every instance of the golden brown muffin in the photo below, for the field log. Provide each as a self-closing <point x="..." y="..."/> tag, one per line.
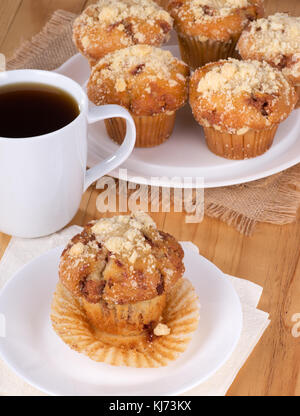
<point x="121" y="268"/>
<point x="276" y="40"/>
<point x="150" y="82"/>
<point x="209" y="29"/>
<point x="240" y="105"/>
<point x="110" y="25"/>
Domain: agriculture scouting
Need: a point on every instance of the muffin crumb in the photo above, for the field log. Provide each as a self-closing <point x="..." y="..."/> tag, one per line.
<point x="77" y="250"/>
<point x="161" y="330"/>
<point x="120" y="85"/>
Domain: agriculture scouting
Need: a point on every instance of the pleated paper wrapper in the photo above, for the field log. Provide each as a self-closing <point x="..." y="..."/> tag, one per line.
<point x="181" y="315"/>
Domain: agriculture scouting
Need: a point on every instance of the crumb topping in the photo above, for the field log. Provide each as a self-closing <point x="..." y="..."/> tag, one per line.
<point x="153" y="63"/>
<point x="126" y="16"/>
<point x="77" y="250"/>
<point x="213" y="19"/>
<point x="125" y="235"/>
<point x="111" y="11"/>
<point x="161" y="330"/>
<point x="235" y="77"/>
<point x="277" y="34"/>
<point x="202" y="10"/>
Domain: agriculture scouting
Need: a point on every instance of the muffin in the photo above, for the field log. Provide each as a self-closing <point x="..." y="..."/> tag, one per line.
<point x="121" y="269"/>
<point x="240" y="105"/>
<point x="151" y="83"/>
<point x="110" y="25"/>
<point x="276" y="40"/>
<point x="208" y="30"/>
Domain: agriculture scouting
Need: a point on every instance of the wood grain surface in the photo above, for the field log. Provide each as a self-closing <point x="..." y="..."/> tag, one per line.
<point x="270" y="257"/>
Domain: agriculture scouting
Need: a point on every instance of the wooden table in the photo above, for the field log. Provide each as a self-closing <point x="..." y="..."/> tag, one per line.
<point x="270" y="257"/>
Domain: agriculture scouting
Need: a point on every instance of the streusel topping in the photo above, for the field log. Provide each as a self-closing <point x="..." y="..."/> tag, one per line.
<point x="124" y="64"/>
<point x="115" y="14"/>
<point x="111" y="11"/>
<point x="125" y="235"/>
<point x="235" y="77"/>
<point x="277" y="34"/>
<point x="214" y="19"/>
<point x="210" y="9"/>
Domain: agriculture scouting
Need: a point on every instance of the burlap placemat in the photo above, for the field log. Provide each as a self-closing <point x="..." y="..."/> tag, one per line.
<point x="275" y="199"/>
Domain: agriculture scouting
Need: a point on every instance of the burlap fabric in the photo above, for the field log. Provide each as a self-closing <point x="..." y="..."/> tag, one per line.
<point x="275" y="199"/>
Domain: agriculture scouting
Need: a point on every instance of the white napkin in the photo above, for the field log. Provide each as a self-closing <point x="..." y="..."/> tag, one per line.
<point x="21" y="251"/>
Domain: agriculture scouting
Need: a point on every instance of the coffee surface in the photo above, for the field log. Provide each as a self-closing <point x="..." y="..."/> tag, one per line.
<point x="33" y="109"/>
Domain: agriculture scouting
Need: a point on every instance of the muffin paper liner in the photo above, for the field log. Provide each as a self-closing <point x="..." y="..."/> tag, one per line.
<point x="150" y="130"/>
<point x="181" y="315"/>
<point x="244" y="146"/>
<point x="124" y="319"/>
<point x="196" y="52"/>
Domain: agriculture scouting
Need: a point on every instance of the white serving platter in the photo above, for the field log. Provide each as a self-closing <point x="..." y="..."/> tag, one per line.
<point x="185" y="154"/>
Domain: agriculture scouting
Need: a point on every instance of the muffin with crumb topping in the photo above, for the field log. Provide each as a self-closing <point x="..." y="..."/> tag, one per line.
<point x="150" y="82"/>
<point x="121" y="269"/>
<point x="240" y="105"/>
<point x="110" y="25"/>
<point x="276" y="40"/>
<point x="208" y="30"/>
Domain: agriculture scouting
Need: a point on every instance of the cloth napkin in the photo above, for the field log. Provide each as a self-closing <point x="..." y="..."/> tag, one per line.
<point x="21" y="251"/>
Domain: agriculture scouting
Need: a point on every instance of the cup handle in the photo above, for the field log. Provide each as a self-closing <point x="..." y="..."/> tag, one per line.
<point x="97" y="113"/>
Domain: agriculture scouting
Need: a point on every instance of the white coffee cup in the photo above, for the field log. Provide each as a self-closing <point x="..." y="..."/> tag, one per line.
<point x="42" y="178"/>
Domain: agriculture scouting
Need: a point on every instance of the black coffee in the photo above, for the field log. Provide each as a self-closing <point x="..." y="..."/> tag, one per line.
<point x="32" y="109"/>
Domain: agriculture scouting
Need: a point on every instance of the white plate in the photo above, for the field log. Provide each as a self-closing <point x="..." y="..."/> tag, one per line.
<point x="185" y="154"/>
<point x="33" y="350"/>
